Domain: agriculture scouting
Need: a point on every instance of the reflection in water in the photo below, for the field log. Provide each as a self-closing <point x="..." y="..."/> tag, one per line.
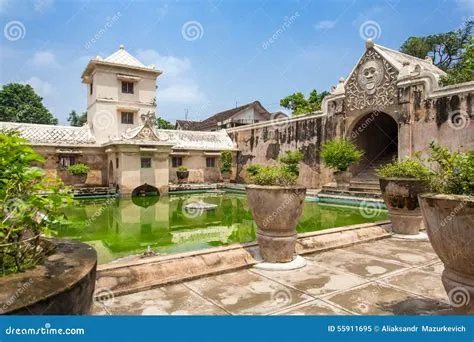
<point x="120" y="227"/>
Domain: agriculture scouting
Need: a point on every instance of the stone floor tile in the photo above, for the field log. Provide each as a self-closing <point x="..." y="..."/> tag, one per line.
<point x="361" y="265"/>
<point x="315" y="307"/>
<point x="407" y="252"/>
<point x="436" y="268"/>
<point x="422" y="283"/>
<point x="380" y="299"/>
<point x="167" y="300"/>
<point x="314" y="279"/>
<point x="244" y="292"/>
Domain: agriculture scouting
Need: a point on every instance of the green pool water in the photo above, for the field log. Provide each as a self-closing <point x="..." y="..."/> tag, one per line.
<point x="118" y="228"/>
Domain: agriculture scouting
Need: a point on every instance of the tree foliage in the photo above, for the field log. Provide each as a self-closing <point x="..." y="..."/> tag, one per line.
<point x="20" y="103"/>
<point x="298" y="104"/>
<point x="31" y="203"/>
<point x="77" y="120"/>
<point x="450" y="51"/>
<point x="163" y="124"/>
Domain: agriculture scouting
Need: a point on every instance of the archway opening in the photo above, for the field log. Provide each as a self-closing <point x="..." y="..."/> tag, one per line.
<point x="145" y="190"/>
<point x="376" y="134"/>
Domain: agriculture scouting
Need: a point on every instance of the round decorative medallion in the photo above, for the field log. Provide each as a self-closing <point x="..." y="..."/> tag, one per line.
<point x="370" y="75"/>
<point x="163" y="136"/>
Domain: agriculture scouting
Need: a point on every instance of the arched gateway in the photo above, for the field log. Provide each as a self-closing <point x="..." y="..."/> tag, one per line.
<point x="376" y="133"/>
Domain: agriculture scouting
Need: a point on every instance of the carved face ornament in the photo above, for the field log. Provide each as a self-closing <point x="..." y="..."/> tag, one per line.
<point x="370" y="75"/>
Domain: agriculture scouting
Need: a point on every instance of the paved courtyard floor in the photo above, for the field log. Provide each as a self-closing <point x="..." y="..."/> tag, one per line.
<point x="384" y="277"/>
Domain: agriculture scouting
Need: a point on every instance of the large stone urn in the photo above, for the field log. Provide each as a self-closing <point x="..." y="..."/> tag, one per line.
<point x="401" y="198"/>
<point x="449" y="222"/>
<point x="343" y="179"/>
<point x="276" y="211"/>
<point x="61" y="285"/>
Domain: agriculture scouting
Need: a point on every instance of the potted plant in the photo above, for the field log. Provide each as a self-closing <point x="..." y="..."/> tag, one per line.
<point x="31" y="206"/>
<point x="79" y="172"/>
<point x="448" y="213"/>
<point x="226" y="168"/>
<point x="182" y="173"/>
<point x="276" y="204"/>
<point x="339" y="154"/>
<point x="401" y="182"/>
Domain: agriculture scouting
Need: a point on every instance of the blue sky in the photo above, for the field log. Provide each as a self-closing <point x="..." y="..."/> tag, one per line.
<point x="214" y="54"/>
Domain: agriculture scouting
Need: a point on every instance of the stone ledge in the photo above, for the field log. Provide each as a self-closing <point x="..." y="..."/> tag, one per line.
<point x="140" y="274"/>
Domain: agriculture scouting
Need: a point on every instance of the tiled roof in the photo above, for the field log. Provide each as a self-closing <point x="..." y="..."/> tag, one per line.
<point x="52" y="135"/>
<point x="192" y="140"/>
<point x="121" y="56"/>
<point x="397" y="59"/>
<point x="220" y="117"/>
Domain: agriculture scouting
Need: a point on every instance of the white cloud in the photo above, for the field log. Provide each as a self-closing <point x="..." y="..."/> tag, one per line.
<point x="41" y="87"/>
<point x="325" y="24"/>
<point x="181" y="93"/>
<point x="41" y="6"/>
<point x="45" y="59"/>
<point x="170" y="65"/>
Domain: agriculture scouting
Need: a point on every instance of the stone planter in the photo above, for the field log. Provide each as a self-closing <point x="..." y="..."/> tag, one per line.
<point x="401" y="198"/>
<point x="226" y="175"/>
<point x="449" y="222"/>
<point x="62" y="285"/>
<point x="276" y="211"/>
<point x="343" y="179"/>
<point x="182" y="175"/>
<point x="79" y="180"/>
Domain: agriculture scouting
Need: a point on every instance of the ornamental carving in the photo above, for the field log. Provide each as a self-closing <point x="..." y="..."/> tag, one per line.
<point x="373" y="84"/>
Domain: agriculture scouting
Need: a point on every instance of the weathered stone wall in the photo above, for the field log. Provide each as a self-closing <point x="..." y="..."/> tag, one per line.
<point x="95" y="158"/>
<point x="444" y="116"/>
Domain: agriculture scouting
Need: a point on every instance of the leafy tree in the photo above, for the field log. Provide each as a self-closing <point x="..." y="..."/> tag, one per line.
<point x="20" y="103"/>
<point x="77" y="120"/>
<point x="445" y="49"/>
<point x="163" y="124"/>
<point x="452" y="52"/>
<point x="298" y="104"/>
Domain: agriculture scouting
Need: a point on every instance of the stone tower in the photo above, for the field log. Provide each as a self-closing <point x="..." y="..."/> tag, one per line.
<point x="120" y="89"/>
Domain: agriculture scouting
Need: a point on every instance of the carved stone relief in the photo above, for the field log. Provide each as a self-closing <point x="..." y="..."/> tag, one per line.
<point x="373" y="84"/>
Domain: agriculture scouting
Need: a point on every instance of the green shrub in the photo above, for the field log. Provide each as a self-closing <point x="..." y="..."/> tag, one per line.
<point x="290" y="162"/>
<point x="226" y="158"/>
<point x="285" y="173"/>
<point x="31" y="203"/>
<point x="454" y="173"/>
<point x="410" y="168"/>
<point x="339" y="154"/>
<point x="78" y="169"/>
<point x="182" y="168"/>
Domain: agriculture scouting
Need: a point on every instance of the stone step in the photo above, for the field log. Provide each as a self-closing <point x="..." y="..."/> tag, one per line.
<point x="368" y="189"/>
<point x="350" y="193"/>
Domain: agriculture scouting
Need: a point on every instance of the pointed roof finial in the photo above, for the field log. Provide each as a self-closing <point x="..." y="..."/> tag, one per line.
<point x="121" y="47"/>
<point x="369" y="43"/>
